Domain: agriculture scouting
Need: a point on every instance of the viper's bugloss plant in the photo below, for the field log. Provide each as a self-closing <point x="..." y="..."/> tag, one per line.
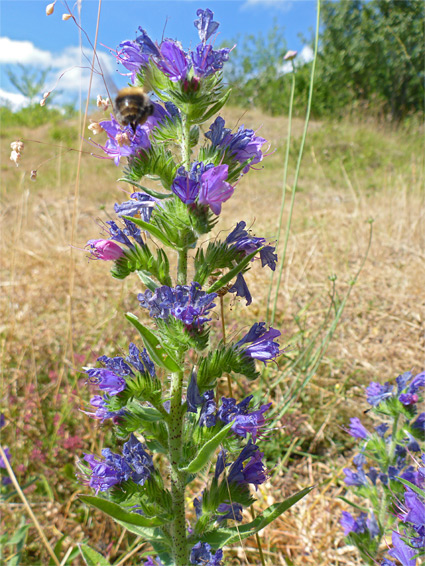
<point x="162" y="397"/>
<point x="389" y="474"/>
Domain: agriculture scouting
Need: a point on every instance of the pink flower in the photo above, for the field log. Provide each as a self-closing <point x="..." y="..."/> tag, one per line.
<point x="104" y="249"/>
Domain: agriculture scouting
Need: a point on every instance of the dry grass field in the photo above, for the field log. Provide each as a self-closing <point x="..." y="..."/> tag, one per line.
<point x="60" y="312"/>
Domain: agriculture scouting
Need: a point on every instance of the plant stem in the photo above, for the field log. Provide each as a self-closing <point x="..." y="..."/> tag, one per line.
<point x="182" y="267"/>
<point x="282" y="205"/>
<point x="300" y="156"/>
<point x="175" y="432"/>
<point x="185" y="147"/>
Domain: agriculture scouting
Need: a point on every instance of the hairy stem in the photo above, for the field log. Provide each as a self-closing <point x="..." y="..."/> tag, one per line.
<point x="175" y="432"/>
<point x="185" y="146"/>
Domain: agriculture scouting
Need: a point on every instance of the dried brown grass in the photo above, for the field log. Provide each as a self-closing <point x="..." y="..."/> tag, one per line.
<point x="380" y="335"/>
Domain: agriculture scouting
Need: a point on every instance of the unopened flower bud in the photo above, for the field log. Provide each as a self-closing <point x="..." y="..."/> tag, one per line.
<point x="104" y="249"/>
<point x="15" y="156"/>
<point x="50" y="8"/>
<point x="33" y="176"/>
<point x="66" y="17"/>
<point x="42" y="102"/>
<point x="290" y="55"/>
<point x="95" y="127"/>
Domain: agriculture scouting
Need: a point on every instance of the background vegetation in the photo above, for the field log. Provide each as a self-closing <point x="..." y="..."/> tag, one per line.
<point x="59" y="313"/>
<point x="370" y="59"/>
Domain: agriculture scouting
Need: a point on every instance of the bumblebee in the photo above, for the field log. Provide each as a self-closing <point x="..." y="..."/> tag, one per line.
<point x="133" y="107"/>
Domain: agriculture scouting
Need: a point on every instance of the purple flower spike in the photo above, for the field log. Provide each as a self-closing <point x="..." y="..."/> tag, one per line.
<point x="106" y="380"/>
<point x="173" y="63"/>
<point x="348" y="523"/>
<point x="262" y="346"/>
<point x="205" y="24"/>
<point x="102" y="413"/>
<point x="138" y="459"/>
<point x="214" y="189"/>
<point x="104" y="249"/>
<point x="357" y="430"/>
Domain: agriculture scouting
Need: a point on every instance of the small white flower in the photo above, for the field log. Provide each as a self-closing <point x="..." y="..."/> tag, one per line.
<point x="17" y="146"/>
<point x="95" y="127"/>
<point x="33" y="176"/>
<point x="66" y="17"/>
<point x="15" y="156"/>
<point x="102" y="103"/>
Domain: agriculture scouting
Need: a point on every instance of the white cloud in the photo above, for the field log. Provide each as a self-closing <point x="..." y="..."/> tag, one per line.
<point x="25" y="52"/>
<point x="282" y="5"/>
<point x="306" y="54"/>
<point x="70" y="69"/>
<point x="13" y="99"/>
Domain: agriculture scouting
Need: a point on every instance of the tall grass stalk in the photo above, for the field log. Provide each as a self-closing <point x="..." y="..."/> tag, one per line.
<point x="282" y="206"/>
<point x="298" y="166"/>
<point x="312" y="356"/>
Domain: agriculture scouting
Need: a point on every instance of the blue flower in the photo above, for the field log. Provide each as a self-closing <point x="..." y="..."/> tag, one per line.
<point x="142" y="204"/>
<point x="186" y="303"/>
<point x="118" y="235"/>
<point x="138" y="459"/>
<point x="108" y="472"/>
<point x="381" y="429"/>
<point x="241" y="289"/>
<point x="201" y="554"/>
<point x="350" y="525"/>
<point x="242" y="146"/>
<point x="107" y="381"/>
<point x="208" y="415"/>
<point x="140" y="360"/>
<point x="376" y="393"/>
<point x="147" y="46"/>
<point x="214" y="188"/>
<point x="193" y="398"/>
<point x="102" y="412"/>
<point x="253" y="472"/>
<point x="419" y="423"/>
<point x="262" y="346"/>
<point x="205" y="24"/>
<point x="401" y="551"/>
<point x="173" y="62"/>
<point x="207" y="61"/>
<point x="357" y="430"/>
<point x="354" y="478"/>
<point x="229" y="511"/>
<point x="122" y="141"/>
<point x="131" y="57"/>
<point x="240" y="239"/>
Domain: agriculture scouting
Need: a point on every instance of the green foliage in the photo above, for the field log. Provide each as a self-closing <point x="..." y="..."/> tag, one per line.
<point x="29" y="82"/>
<point x="91" y="557"/>
<point x="223" y="359"/>
<point x="370" y="56"/>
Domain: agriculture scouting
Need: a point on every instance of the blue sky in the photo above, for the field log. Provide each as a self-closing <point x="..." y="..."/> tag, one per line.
<point x="29" y="37"/>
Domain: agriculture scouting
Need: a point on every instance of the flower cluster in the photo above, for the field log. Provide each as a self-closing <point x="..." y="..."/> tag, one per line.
<point x="383" y="465"/>
<point x="135" y="464"/>
<point x="187" y="303"/>
<point x="170" y="58"/>
<point x="205" y="185"/>
<point x="243" y="146"/>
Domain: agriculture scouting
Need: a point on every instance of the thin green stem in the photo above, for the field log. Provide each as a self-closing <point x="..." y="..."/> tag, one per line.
<point x="175" y="432"/>
<point x="300" y="155"/>
<point x="282" y="205"/>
